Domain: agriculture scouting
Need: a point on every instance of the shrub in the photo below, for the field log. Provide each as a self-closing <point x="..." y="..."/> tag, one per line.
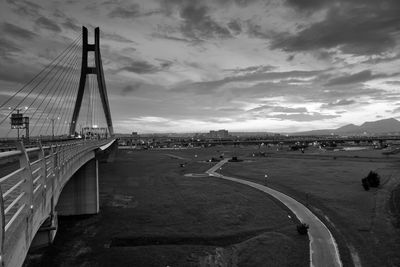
<point x="302" y="228"/>
<point x="235" y="159"/>
<point x="373" y="179"/>
<point x="365" y="183"/>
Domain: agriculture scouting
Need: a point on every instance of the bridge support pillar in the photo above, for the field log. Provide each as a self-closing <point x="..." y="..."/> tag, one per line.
<point x="81" y="194"/>
<point x="113" y="152"/>
<point x="46" y="233"/>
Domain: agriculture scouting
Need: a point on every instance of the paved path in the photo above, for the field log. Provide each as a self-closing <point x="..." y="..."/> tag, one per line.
<point x="323" y="248"/>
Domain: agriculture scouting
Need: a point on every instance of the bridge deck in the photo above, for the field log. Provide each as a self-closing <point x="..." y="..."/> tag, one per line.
<point x="31" y="181"/>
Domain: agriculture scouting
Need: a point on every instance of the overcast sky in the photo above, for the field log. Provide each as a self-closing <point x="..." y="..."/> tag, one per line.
<point x="194" y="66"/>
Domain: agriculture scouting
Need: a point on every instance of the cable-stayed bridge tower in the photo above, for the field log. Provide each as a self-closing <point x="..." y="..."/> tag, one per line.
<point x="52" y="174"/>
<point x="96" y="70"/>
<point x="67" y="98"/>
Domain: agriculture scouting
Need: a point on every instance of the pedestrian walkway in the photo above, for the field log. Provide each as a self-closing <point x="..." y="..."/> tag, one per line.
<point x="323" y="248"/>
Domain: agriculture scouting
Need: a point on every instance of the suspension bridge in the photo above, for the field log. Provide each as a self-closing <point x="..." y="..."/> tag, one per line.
<point x="54" y="129"/>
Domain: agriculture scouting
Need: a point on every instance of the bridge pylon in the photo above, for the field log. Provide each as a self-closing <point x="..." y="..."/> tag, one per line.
<point x="98" y="71"/>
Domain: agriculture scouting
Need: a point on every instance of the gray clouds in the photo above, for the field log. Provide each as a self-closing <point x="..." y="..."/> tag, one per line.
<point x="144" y="67"/>
<point x="45" y="23"/>
<point x="16" y="31"/>
<point x="354" y="27"/>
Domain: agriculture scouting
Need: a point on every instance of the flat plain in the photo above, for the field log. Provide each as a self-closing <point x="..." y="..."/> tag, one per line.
<point x="153" y="215"/>
<point x="329" y="183"/>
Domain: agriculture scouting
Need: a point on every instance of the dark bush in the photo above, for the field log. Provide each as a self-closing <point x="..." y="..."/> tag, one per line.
<point x="365" y="183"/>
<point x="373" y="179"/>
<point x="235" y="159"/>
<point x="302" y="228"/>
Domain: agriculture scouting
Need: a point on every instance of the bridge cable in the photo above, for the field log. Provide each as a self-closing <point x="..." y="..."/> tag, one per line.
<point x="62" y="93"/>
<point x="65" y="89"/>
<point x="25" y="97"/>
<point x="40" y="105"/>
<point x="66" y="95"/>
<point x="87" y="97"/>
<point x="47" y="94"/>
<point x="65" y="108"/>
<point x="58" y="81"/>
<point x="42" y="71"/>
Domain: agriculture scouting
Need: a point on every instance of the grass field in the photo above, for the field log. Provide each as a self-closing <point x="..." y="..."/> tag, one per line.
<point x="152" y="215"/>
<point x="329" y="183"/>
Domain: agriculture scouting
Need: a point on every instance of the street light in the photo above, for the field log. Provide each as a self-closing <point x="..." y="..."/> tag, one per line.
<point x="52" y="127"/>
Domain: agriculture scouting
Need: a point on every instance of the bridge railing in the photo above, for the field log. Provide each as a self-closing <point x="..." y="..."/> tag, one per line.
<point x="29" y="176"/>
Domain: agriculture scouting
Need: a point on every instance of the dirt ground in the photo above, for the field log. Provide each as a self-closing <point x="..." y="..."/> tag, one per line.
<point x="153" y="215"/>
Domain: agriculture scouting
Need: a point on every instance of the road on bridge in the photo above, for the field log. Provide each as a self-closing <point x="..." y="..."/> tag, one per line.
<point x="323" y="248"/>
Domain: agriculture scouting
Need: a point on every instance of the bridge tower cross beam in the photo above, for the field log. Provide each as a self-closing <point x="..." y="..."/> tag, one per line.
<point x="98" y="71"/>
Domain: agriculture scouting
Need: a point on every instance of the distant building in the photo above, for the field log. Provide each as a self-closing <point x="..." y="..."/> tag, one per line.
<point x="218" y="134"/>
<point x="94" y="132"/>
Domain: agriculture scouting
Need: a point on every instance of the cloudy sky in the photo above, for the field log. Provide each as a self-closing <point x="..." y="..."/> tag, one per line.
<point x="241" y="65"/>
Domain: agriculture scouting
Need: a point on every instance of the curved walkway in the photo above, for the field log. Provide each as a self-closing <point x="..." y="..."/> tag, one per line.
<point x="323" y="248"/>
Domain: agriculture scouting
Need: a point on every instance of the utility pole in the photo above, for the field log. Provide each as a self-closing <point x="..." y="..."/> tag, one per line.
<point x="52" y="128"/>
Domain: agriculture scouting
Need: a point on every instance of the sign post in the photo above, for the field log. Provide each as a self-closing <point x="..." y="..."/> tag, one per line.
<point x="18" y="121"/>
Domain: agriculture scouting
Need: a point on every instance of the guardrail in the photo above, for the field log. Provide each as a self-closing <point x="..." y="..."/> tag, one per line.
<point x="35" y="176"/>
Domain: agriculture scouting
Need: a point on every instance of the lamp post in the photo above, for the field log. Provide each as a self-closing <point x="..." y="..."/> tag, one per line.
<point x="52" y="127"/>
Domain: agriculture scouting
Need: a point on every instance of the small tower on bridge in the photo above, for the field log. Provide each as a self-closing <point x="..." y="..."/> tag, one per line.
<point x="98" y="71"/>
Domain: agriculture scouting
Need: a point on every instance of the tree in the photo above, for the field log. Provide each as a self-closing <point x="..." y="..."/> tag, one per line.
<point x="302" y="228"/>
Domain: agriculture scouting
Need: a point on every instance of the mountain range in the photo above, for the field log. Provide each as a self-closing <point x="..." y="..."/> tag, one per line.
<point x="386" y="126"/>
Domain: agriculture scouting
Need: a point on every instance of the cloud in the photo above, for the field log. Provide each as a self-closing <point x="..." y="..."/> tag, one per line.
<point x="198" y="23"/>
<point x="354" y="27"/>
<point x="48" y="24"/>
<point x="116" y="37"/>
<point x="25" y="8"/>
<point x="130" y="11"/>
<point x="70" y="24"/>
<point x="255" y="30"/>
<point x="396" y="110"/>
<point x="339" y="103"/>
<point x="8" y="47"/>
<point x="16" y="31"/>
<point x="309" y="4"/>
<point x="15" y="72"/>
<point x="278" y="109"/>
<point x="170" y="37"/>
<point x="393" y="82"/>
<point x="210" y="86"/>
<point x="252" y="69"/>
<point x="235" y="27"/>
<point x="144" y="67"/>
<point x="359" y="77"/>
<point x="130" y="88"/>
<point x="288" y="113"/>
<point x="314" y="116"/>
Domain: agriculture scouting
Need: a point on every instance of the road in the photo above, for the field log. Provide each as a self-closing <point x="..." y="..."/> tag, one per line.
<point x="323" y="248"/>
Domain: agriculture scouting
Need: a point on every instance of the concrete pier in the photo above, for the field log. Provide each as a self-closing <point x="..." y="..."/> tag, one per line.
<point x="81" y="194"/>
